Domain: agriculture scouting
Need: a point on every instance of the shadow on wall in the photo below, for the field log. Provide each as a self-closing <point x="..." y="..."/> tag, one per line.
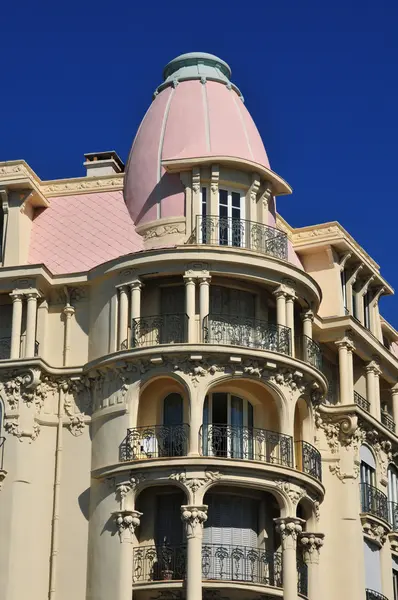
<point x="84" y="503"/>
<point x="169" y="185"/>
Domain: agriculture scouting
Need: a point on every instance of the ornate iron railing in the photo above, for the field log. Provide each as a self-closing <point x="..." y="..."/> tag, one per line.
<point x="37" y="348"/>
<point x="302" y="576"/>
<point x="5" y="348"/>
<point x="2" y="444"/>
<point x="155" y="441"/>
<point x="241" y="563"/>
<point x="372" y="595"/>
<point x="227" y="231"/>
<point x="387" y="420"/>
<point x="309" y="351"/>
<point x="159" y="329"/>
<point x="159" y="562"/>
<point x="308" y="459"/>
<point x="246" y="443"/>
<point x="393" y="515"/>
<point x="373" y="501"/>
<point x="247" y="332"/>
<point x="361" y="401"/>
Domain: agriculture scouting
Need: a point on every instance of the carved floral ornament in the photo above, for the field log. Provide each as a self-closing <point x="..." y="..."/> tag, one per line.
<point x="374" y="531"/>
<point x="30" y="388"/>
<point x="194" y="517"/>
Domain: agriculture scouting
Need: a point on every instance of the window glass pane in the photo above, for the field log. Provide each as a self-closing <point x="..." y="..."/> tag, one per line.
<point x="235" y="199"/>
<point x="236" y="411"/>
<point x="223" y="196"/>
<point x="204" y="202"/>
<point x="236" y="213"/>
<point x="249" y="415"/>
<point x="220" y="408"/>
<point x="223" y="211"/>
<point x="173" y="410"/>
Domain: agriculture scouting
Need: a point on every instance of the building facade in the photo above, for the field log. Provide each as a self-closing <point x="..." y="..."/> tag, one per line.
<point x="197" y="399"/>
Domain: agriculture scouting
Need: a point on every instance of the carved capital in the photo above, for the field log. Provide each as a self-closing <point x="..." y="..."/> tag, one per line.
<point x="311" y="543"/>
<point x="289" y="529"/>
<point x="345" y="342"/>
<point x="126" y="522"/>
<point x="307" y="315"/>
<point x="193" y="517"/>
<point x="373" y="367"/>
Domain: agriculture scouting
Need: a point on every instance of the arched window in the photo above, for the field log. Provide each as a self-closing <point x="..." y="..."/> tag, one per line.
<point x="227" y="426"/>
<point x="173" y="409"/>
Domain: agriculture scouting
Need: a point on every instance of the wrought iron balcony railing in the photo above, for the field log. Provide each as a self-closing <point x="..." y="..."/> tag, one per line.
<point x="387" y="420"/>
<point x="361" y="401"/>
<point x="393" y="515"/>
<point x="159" y="329"/>
<point x="159" y="563"/>
<point x="247" y="332"/>
<point x="302" y="576"/>
<point x="309" y="351"/>
<point x="241" y="563"/>
<point x="373" y="501"/>
<point x="227" y="231"/>
<point x="308" y="459"/>
<point x="372" y="595"/>
<point x="155" y="441"/>
<point x="246" y="443"/>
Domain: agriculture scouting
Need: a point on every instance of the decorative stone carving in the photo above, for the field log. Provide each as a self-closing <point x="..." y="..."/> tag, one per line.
<point x="374" y="530"/>
<point x="3" y="474"/>
<point x="311" y="543"/>
<point x="193" y="517"/>
<point x="22" y="387"/>
<point x="161" y="230"/>
<point x="126" y="522"/>
<point x="289" y="529"/>
<point x="295" y="493"/>
<point x="343" y="475"/>
<point x="89" y="184"/>
<point x="12" y="427"/>
<point x="136" y="478"/>
<point x="195" y="483"/>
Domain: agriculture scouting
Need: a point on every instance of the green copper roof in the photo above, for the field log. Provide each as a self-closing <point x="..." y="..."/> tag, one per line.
<point x="196" y="65"/>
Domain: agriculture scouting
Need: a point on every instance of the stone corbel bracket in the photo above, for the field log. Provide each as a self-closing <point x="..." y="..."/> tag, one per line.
<point x="374" y="529"/>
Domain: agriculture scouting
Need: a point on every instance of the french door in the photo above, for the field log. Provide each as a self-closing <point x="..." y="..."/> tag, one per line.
<point x="227" y="426"/>
<point x="227" y="227"/>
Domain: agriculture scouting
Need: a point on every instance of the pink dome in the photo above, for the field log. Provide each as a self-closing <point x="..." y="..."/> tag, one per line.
<point x="196" y="112"/>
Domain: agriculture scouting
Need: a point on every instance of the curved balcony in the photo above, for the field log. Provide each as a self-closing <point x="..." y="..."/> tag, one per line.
<point x="155" y="441"/>
<point x="373" y="501"/>
<point x="247" y="443"/>
<point x="239" y="233"/>
<point x="309" y="459"/>
<point x="158" y="329"/>
<point x="159" y="563"/>
<point x="372" y="595"/>
<point x="231" y="562"/>
<point x="247" y="332"/>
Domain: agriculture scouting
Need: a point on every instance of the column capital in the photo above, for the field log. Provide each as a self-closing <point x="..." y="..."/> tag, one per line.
<point x="193" y="517"/>
<point x="345" y="342"/>
<point x="281" y="292"/>
<point x="394" y="390"/>
<point x="373" y="367"/>
<point x="126" y="522"/>
<point x="16" y="295"/>
<point x="311" y="543"/>
<point x="189" y="277"/>
<point x="307" y="315"/>
<point x="68" y="310"/>
<point x="32" y="295"/>
<point x="289" y="529"/>
<point x="136" y="284"/>
<point x="204" y="277"/>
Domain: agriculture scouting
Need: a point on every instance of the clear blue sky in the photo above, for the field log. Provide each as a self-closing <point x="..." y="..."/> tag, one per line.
<point x="319" y="78"/>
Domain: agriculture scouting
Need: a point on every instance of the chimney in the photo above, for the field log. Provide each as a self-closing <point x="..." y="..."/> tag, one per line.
<point x="103" y="163"/>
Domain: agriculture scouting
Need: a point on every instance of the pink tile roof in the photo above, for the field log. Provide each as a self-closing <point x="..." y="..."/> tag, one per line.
<point x="76" y="233"/>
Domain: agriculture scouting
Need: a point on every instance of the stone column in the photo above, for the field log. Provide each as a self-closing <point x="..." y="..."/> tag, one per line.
<point x="193" y="517"/>
<point x="123" y="315"/>
<point x="126" y="522"/>
<point x="290" y="319"/>
<point x="289" y="528"/>
<point x="345" y="377"/>
<point x="204" y="300"/>
<point x="280" y="296"/>
<point x="31" y="316"/>
<point x="16" y="324"/>
<point x="68" y="311"/>
<point x="394" y="397"/>
<point x="312" y="543"/>
<point x="135" y="290"/>
<point x="373" y="388"/>
<point x="307" y="317"/>
<point x="190" y="290"/>
<point x="350" y="361"/>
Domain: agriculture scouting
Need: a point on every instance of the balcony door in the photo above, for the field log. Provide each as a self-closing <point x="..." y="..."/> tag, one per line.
<point x="227" y="426"/>
<point x="173" y="438"/>
<point x="229" y="534"/>
<point x="392" y="493"/>
<point x="172" y="323"/>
